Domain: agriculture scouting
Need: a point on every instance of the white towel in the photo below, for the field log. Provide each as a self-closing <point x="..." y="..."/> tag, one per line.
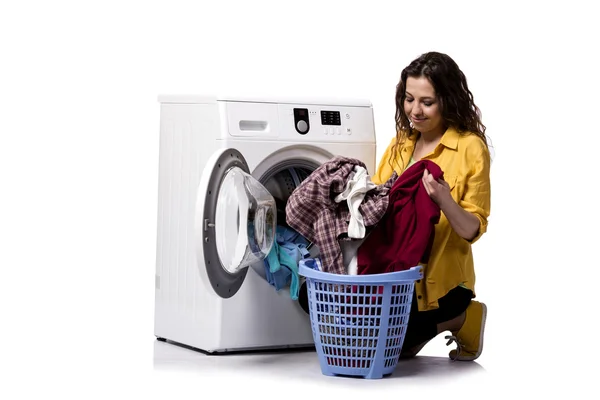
<point x="354" y="193"/>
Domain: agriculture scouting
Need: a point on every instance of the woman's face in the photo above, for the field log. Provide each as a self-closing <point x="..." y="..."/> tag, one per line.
<point x="421" y="106"/>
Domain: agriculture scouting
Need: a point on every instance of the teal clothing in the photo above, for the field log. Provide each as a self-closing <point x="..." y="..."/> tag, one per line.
<point x="281" y="264"/>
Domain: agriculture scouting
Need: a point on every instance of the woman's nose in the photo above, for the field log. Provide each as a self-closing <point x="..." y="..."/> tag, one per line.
<point x="416" y="110"/>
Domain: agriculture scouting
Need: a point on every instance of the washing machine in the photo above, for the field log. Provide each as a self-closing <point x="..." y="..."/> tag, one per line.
<point x="226" y="168"/>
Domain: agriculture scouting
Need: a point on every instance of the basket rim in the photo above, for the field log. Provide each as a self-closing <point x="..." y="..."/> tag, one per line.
<point x="410" y="275"/>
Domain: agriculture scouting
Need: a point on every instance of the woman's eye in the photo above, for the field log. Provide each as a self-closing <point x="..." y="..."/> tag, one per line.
<point x="428" y="104"/>
<point x="409" y="100"/>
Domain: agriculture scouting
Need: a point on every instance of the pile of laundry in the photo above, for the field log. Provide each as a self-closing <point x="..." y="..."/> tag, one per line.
<point x="357" y="226"/>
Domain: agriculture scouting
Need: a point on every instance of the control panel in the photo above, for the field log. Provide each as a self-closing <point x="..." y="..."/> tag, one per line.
<point x="327" y="123"/>
<point x="299" y="122"/>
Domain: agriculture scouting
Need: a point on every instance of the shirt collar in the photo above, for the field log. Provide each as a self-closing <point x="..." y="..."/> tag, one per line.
<point x="450" y="138"/>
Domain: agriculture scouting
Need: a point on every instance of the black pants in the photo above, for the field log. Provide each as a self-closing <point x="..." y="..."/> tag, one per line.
<point x="422" y="325"/>
<point x="303" y="298"/>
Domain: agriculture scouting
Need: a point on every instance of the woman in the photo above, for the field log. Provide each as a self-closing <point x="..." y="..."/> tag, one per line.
<point x="437" y="120"/>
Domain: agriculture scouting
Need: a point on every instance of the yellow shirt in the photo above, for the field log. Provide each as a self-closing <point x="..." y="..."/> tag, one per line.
<point x="465" y="161"/>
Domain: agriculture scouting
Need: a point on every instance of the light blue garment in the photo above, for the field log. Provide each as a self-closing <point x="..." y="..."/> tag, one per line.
<point x="313" y="263"/>
<point x="297" y="251"/>
<point x="281" y="264"/>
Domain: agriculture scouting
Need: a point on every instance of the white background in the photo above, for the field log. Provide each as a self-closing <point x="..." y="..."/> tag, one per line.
<point x="79" y="125"/>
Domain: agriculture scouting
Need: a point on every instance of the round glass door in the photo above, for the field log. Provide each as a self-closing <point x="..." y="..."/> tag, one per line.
<point x="236" y="221"/>
<point x="245" y="221"/>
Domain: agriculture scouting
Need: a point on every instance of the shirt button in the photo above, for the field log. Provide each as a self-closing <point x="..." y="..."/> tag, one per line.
<point x="419" y="297"/>
<point x="419" y="281"/>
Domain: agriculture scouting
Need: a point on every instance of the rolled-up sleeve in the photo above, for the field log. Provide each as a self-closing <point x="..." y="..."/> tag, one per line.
<point x="477" y="194"/>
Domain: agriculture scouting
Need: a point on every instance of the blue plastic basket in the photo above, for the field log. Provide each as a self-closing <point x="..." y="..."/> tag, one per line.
<point x="359" y="321"/>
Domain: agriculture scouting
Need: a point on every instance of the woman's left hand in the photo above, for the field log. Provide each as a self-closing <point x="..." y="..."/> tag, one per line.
<point x="439" y="190"/>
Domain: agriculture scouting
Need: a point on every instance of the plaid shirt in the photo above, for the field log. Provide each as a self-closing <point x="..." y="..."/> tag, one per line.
<point x="312" y="211"/>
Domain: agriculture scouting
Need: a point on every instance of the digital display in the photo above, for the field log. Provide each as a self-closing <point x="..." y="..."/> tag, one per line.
<point x="330" y="118"/>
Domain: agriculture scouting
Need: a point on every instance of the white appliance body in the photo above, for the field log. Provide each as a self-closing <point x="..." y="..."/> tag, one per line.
<point x="194" y="132"/>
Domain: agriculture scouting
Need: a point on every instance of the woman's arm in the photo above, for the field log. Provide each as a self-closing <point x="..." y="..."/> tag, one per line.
<point x="465" y="224"/>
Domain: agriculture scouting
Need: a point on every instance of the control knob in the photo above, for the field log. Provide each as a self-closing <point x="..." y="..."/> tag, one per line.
<point x="302" y="126"/>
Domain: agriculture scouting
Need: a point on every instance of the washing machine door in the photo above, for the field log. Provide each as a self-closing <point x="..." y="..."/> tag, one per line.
<point x="235" y="221"/>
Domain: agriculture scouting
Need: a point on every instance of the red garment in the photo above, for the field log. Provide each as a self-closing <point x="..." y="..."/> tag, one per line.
<point x="403" y="237"/>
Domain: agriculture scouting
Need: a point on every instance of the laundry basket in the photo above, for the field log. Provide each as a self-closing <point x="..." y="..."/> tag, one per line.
<point x="359" y="321"/>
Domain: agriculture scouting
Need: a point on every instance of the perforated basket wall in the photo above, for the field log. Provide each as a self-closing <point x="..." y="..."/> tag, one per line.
<point x="359" y="327"/>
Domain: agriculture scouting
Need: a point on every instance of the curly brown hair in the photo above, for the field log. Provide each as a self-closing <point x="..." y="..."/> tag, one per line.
<point x="456" y="100"/>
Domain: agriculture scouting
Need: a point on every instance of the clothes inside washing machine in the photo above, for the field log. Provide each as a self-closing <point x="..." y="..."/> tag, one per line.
<point x="281" y="265"/>
<point x="281" y="185"/>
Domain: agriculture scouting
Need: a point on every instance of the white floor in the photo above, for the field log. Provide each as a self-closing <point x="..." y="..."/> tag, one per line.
<point x="501" y="372"/>
<point x="304" y="365"/>
<point x="281" y="373"/>
<point x="83" y="356"/>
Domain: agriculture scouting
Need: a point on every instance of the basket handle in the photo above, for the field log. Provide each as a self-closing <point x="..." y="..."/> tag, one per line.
<point x="411" y="274"/>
